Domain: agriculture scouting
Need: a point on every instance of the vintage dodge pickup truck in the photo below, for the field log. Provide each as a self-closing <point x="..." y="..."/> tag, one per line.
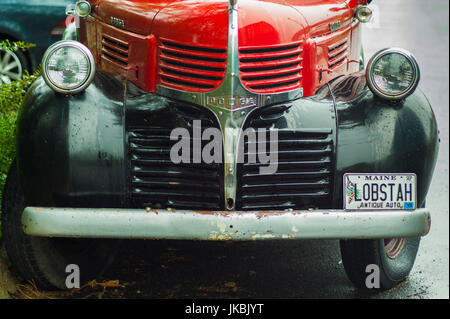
<point x="219" y="120"/>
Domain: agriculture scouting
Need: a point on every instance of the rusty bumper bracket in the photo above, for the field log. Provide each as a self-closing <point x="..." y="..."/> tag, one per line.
<point x="198" y="225"/>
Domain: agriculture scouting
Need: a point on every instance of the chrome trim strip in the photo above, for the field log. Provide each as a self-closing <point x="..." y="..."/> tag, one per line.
<point x="188" y="225"/>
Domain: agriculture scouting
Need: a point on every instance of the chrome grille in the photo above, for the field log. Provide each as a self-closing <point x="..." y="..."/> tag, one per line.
<point x="191" y="68"/>
<point x="156" y="181"/>
<point x="271" y="69"/>
<point x="303" y="178"/>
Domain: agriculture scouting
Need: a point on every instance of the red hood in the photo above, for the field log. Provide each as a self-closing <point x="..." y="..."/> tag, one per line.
<point x="265" y="23"/>
<point x="137" y="14"/>
<point x="201" y="22"/>
<point x="320" y="13"/>
<point x="261" y="22"/>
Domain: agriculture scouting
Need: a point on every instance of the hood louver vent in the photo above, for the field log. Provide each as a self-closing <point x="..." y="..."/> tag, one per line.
<point x="115" y="51"/>
<point x="271" y="69"/>
<point x="337" y="54"/>
<point x="191" y="67"/>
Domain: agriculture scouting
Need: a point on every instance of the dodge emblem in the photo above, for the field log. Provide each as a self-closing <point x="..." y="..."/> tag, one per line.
<point x="231" y="102"/>
<point x="117" y="22"/>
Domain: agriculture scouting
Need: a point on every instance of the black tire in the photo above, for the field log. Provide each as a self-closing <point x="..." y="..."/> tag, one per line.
<point x="394" y="267"/>
<point x="44" y="260"/>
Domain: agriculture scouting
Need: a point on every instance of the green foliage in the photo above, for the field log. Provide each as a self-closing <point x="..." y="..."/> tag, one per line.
<point x="7" y="143"/>
<point x="11" y="96"/>
<point x="6" y="45"/>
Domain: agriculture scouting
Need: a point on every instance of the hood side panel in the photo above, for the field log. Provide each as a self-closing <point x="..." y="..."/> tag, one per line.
<point x="320" y="13"/>
<point x="137" y="14"/>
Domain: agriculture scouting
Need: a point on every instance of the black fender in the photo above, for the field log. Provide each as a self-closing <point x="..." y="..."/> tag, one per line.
<point x="379" y="136"/>
<point x="70" y="149"/>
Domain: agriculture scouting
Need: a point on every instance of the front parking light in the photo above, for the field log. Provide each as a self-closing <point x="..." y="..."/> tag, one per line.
<point x="363" y="14"/>
<point x="83" y="8"/>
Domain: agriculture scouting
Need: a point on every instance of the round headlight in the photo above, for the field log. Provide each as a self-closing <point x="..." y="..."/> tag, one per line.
<point x="68" y="67"/>
<point x="393" y="74"/>
<point x="363" y="14"/>
<point x="83" y="8"/>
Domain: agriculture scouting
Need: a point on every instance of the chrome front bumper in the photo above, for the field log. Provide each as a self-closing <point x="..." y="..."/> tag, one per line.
<point x="202" y="225"/>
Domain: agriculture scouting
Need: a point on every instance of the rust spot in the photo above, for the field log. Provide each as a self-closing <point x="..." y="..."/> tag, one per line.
<point x="262" y="214"/>
<point x="210" y="212"/>
<point x="426" y="222"/>
<point x="204" y="212"/>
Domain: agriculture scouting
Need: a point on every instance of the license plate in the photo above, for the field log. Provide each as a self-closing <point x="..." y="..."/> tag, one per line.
<point x="380" y="191"/>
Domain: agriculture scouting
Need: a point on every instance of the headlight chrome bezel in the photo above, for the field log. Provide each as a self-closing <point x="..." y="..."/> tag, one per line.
<point x="83" y="12"/>
<point x="370" y="72"/>
<point x="76" y="45"/>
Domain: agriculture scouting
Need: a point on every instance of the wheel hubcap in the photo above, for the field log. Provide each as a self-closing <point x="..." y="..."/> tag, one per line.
<point x="394" y="246"/>
<point x="10" y="67"/>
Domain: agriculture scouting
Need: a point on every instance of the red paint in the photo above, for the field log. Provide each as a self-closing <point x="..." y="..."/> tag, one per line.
<point x="192" y="44"/>
<point x="137" y="14"/>
<point x="182" y="44"/>
<point x="191" y="67"/>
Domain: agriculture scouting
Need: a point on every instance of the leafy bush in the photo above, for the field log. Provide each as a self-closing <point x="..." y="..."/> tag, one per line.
<point x="5" y="44"/>
<point x="7" y="145"/>
<point x="11" y="96"/>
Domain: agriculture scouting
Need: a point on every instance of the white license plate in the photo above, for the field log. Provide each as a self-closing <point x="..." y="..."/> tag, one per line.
<point x="380" y="191"/>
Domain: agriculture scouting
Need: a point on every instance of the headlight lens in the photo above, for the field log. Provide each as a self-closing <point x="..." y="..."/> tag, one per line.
<point x="363" y="14"/>
<point x="68" y="67"/>
<point x="393" y="74"/>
